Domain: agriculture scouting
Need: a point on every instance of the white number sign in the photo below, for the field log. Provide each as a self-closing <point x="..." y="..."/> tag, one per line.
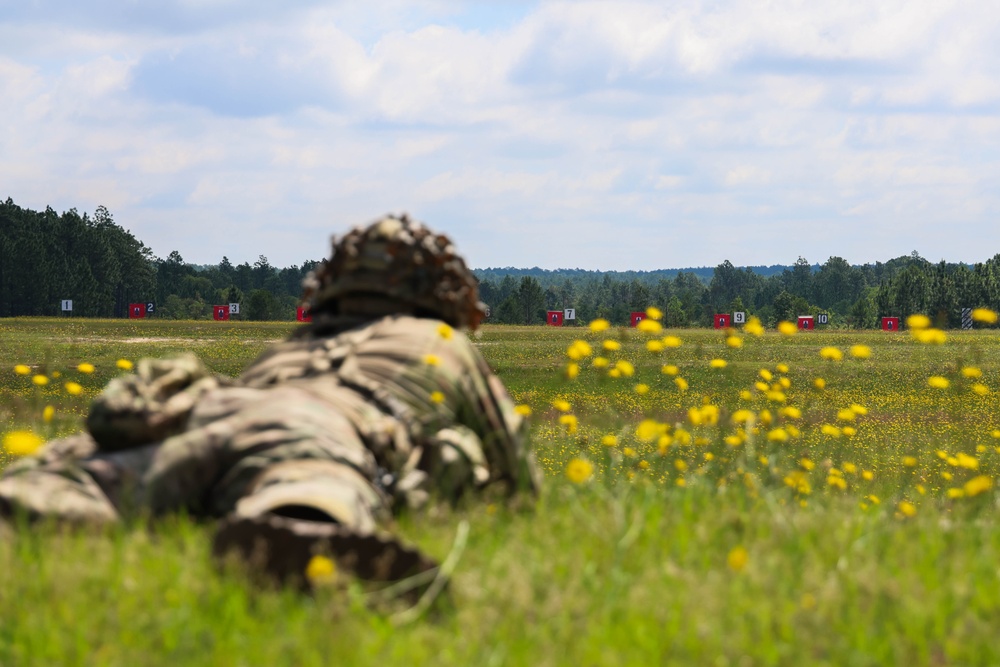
<point x="234" y="309"/>
<point x="739" y="318"/>
<point x="67" y="305"/>
<point x="569" y="314"/>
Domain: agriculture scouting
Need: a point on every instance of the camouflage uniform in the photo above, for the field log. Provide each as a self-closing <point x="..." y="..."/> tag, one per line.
<point x="374" y="406"/>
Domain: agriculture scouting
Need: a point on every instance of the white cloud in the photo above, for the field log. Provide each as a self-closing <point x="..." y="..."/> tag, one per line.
<point x="615" y="132"/>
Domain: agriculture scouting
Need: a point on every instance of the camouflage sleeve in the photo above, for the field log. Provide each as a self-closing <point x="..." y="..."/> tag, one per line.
<point x="445" y="382"/>
<point x="150" y="405"/>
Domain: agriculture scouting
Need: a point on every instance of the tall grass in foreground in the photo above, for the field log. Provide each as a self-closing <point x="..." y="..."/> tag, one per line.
<point x="734" y="521"/>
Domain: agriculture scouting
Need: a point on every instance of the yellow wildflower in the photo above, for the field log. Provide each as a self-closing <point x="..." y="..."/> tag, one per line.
<point x="971" y="372"/>
<point x="670" y="369"/>
<point x="671" y="341"/>
<point x="737" y="559"/>
<point x="649" y="326"/>
<point x="523" y="410"/>
<point x="742" y="417"/>
<point x="579" y="350"/>
<point x="609" y="441"/>
<point x="977" y="485"/>
<point x="909" y="461"/>
<point x="787" y="328"/>
<point x="654" y="313"/>
<point x="967" y="462"/>
<point x="570" y="422"/>
<point x="846" y="415"/>
<point x="432" y="360"/>
<point x="868" y="475"/>
<point x="930" y="336"/>
<point x="572" y="370"/>
<point x="681" y="383"/>
<point x="600" y="324"/>
<point x="126" y="365"/>
<point x="73" y="388"/>
<point x="601" y="362"/>
<point x="321" y="570"/>
<point x="579" y="470"/>
<point x="40" y="380"/>
<point x="754" y="327"/>
<point x="776" y="396"/>
<point x="861" y="351"/>
<point x="836" y="482"/>
<point x="437" y="397"/>
<point x="807" y="464"/>
<point x="980" y="389"/>
<point x="717" y="363"/>
<point x="445" y="331"/>
<point x="48" y="413"/>
<point x="611" y="345"/>
<point x="858" y="409"/>
<point x="984" y="315"/>
<point x="648" y="430"/>
<point x="761" y="386"/>
<point x="831" y="353"/>
<point x="849" y="431"/>
<point x="562" y="405"/>
<point x="625" y="368"/>
<point x="21" y="369"/>
<point x="22" y="443"/>
<point x="819" y="383"/>
<point x="938" y="382"/>
<point x="745" y="395"/>
<point x="849" y="468"/>
<point x="918" y="322"/>
<point x="906" y="508"/>
<point x="630" y="453"/>
<point x="790" y="412"/>
<point x="777" y="435"/>
<point x="765" y="374"/>
<point x="654" y="345"/>
<point x="85" y="368"/>
<point x="734" y="342"/>
<point x="782" y="368"/>
<point x="642" y="389"/>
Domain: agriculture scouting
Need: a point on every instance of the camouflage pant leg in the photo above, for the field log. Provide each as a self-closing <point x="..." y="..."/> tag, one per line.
<point x="235" y="434"/>
<point x="98" y="488"/>
<point x="315" y="490"/>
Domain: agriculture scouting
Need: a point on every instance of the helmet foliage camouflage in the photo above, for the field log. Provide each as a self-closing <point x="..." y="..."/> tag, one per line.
<point x="402" y="260"/>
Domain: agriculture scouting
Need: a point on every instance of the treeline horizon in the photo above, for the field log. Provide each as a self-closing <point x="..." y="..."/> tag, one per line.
<point x="46" y="257"/>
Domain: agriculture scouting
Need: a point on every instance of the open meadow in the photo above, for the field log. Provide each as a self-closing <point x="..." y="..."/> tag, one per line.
<point x="825" y="497"/>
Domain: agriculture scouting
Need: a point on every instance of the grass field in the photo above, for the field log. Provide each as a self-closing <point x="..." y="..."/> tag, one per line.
<point x="751" y="518"/>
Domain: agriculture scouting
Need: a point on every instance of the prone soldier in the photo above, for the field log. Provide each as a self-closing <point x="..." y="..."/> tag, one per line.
<point x="376" y="405"/>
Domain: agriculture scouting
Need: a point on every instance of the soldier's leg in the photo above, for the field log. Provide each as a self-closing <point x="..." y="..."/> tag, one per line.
<point x="301" y="508"/>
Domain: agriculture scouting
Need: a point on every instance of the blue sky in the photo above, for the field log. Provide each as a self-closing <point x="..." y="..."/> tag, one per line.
<point x="599" y="135"/>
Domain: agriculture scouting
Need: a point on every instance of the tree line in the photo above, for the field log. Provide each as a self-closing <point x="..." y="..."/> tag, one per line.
<point x="46" y="257"/>
<point x="853" y="296"/>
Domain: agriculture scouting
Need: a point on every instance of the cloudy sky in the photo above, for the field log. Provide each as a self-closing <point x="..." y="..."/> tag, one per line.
<point x="599" y="135"/>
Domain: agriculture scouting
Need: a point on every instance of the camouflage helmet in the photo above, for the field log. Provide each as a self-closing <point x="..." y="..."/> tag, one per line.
<point x="398" y="261"/>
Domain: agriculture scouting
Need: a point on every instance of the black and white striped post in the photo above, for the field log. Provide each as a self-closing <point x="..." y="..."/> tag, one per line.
<point x="966" y="318"/>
